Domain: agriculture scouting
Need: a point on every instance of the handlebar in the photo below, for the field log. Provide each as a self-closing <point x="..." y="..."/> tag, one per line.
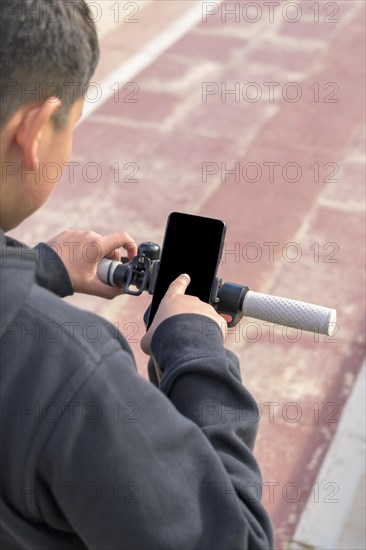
<point x="228" y="298"/>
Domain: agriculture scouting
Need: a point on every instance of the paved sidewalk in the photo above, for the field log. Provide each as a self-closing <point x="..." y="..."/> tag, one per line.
<point x="339" y="520"/>
<point x="255" y="118"/>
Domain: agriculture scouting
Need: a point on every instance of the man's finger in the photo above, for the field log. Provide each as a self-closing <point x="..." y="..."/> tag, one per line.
<point x="114" y="255"/>
<point x="119" y="240"/>
<point x="179" y="285"/>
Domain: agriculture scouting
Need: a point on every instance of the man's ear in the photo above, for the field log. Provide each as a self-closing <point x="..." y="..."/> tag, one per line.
<point x="31" y="128"/>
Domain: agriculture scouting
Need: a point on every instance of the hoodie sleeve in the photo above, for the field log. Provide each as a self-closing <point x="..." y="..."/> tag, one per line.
<point x="51" y="272"/>
<point x="169" y="467"/>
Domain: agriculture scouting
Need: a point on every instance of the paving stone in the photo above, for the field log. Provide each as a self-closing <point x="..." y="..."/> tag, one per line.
<point x="348" y="188"/>
<point x="273" y="53"/>
<point x="138" y="104"/>
<point x="196" y="46"/>
<point x="166" y="68"/>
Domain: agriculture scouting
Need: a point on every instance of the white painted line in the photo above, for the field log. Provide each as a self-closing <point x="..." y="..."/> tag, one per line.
<point x="112" y="13"/>
<point x="322" y="523"/>
<point x="129" y="69"/>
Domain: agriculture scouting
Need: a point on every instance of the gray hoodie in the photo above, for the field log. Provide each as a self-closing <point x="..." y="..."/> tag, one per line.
<point x="93" y="456"/>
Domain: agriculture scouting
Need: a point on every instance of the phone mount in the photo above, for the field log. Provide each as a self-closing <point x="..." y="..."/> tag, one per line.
<point x="233" y="300"/>
<point x="141" y="272"/>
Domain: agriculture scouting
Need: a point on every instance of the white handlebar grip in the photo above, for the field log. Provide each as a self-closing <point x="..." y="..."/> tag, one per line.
<point x="105" y="271"/>
<point x="290" y="313"/>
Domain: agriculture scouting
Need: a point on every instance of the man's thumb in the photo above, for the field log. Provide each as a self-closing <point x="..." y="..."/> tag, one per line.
<point x="179" y="285"/>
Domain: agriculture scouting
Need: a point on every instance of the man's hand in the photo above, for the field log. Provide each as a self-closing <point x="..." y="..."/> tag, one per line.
<point x="175" y="302"/>
<point x="81" y="252"/>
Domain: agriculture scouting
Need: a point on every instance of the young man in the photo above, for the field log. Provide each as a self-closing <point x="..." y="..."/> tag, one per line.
<point x="93" y="456"/>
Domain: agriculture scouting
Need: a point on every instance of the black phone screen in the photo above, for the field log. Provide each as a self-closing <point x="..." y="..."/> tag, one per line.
<point x="193" y="245"/>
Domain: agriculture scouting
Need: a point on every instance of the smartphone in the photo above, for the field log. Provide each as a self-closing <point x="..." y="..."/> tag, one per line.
<point x="193" y="245"/>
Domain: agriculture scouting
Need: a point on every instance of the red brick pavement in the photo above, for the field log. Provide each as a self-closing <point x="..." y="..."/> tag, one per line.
<point x="313" y="148"/>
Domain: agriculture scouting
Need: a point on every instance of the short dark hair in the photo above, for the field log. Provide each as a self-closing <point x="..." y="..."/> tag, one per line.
<point x="48" y="48"/>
